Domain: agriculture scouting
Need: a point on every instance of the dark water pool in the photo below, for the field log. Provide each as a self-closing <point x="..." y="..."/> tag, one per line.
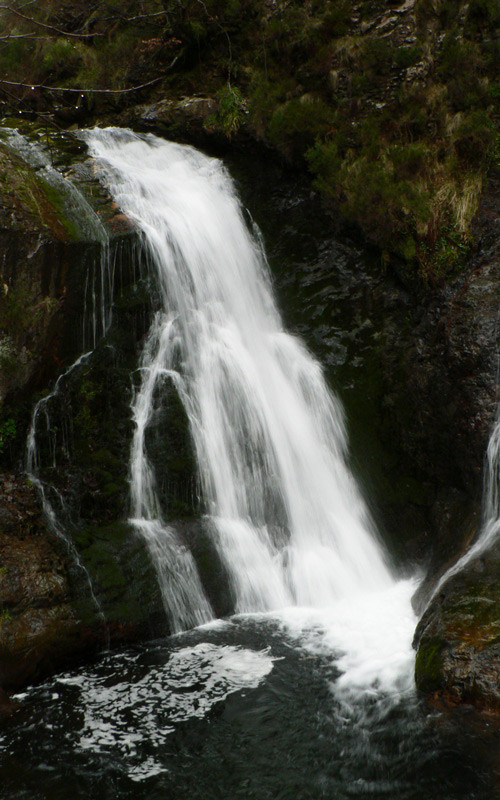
<point x="239" y="710"/>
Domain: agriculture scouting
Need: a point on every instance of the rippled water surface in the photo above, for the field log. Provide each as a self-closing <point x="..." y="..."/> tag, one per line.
<point x="248" y="708"/>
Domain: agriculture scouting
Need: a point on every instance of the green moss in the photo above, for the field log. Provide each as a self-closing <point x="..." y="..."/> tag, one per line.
<point x="61" y="57"/>
<point x="429" y="665"/>
<point x="58" y="201"/>
<point x="123" y="579"/>
<point x="7" y="431"/>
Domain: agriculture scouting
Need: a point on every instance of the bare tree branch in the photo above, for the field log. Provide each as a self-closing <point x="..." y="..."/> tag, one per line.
<point x="10" y="36"/>
<point x="148" y="16"/>
<point x="86" y="89"/>
<point x="49" y="27"/>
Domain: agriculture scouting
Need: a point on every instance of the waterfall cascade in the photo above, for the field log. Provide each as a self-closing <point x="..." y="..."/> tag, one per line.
<point x="288" y="520"/>
<point x="490" y="524"/>
<point x="324" y="669"/>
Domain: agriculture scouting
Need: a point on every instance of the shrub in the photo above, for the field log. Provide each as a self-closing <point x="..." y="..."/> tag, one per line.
<point x="405" y="57"/>
<point x="388" y="207"/>
<point x="336" y="18"/>
<point x="458" y="56"/>
<point x="7" y="432"/>
<point x="230" y="110"/>
<point x="324" y="162"/>
<point x="483" y="11"/>
<point x="60" y="57"/>
<point x="295" y="124"/>
<point x="410" y="160"/>
<point x="475" y="139"/>
<point x="376" y="56"/>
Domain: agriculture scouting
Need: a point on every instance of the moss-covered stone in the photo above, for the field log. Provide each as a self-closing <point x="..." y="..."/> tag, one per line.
<point x="458" y="637"/>
<point x="428" y="666"/>
<point x="61" y="599"/>
<point x="124" y="583"/>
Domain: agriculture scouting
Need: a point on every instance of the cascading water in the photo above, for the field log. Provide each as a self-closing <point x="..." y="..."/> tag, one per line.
<point x="490" y="526"/>
<point x="100" y="276"/>
<point x="286" y="702"/>
<point x="288" y="520"/>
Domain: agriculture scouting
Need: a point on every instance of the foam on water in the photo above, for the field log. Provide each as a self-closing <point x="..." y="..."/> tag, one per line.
<point x="120" y="716"/>
<point x="368" y="637"/>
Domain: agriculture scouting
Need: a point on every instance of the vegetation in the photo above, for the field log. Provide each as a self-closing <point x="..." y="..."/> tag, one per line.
<point x="396" y="122"/>
<point x="7" y="432"/>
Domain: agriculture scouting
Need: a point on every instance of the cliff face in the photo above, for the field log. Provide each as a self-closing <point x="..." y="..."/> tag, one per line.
<point x="436" y="364"/>
<point x="52" y="609"/>
<point x="73" y="577"/>
<point x="391" y="108"/>
<point x="458" y="657"/>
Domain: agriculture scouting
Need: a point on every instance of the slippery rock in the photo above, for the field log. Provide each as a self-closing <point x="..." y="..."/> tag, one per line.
<point x="458" y="637"/>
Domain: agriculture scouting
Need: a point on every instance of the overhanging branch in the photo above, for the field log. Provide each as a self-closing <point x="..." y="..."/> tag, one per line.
<point x="49" y="27"/>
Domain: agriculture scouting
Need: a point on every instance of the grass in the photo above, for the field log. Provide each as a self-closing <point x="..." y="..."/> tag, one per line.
<point x="403" y="158"/>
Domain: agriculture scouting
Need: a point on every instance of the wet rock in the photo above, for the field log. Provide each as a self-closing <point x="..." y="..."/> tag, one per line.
<point x="57" y="604"/>
<point x="441" y="390"/>
<point x="35" y="615"/>
<point x="198" y="536"/>
<point x="458" y="637"/>
<point x="51" y="235"/>
<point x="186" y="119"/>
<point x="7" y="706"/>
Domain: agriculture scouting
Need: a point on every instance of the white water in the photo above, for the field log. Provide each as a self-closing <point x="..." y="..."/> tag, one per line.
<point x="490" y="527"/>
<point x="289" y="522"/>
<point x="100" y="277"/>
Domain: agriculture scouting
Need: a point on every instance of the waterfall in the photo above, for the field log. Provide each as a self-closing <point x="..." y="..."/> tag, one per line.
<point x="287" y="518"/>
<point x="490" y="525"/>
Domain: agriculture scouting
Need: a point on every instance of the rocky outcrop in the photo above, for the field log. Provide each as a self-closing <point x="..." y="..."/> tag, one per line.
<point x="441" y="394"/>
<point x="436" y="366"/>
<point x="57" y="603"/>
<point x="82" y="579"/>
<point x="54" y="220"/>
<point x="458" y="637"/>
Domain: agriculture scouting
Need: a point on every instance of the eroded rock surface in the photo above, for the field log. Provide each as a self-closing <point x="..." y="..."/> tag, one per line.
<point x="58" y="602"/>
<point x="458" y="637"/>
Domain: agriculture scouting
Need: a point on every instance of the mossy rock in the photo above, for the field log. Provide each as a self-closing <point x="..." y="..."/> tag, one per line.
<point x="115" y="561"/>
<point x="458" y="637"/>
<point x="429" y="666"/>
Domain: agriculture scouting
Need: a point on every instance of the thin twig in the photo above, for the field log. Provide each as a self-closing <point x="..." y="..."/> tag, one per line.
<point x="87" y="90"/>
<point x="49" y="27"/>
<point x="148" y="16"/>
<point x="10" y="36"/>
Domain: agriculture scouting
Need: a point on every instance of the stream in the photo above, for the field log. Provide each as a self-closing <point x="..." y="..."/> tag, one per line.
<point x="307" y="691"/>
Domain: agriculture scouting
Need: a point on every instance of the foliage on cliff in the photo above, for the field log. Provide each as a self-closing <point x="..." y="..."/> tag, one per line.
<point x="391" y="105"/>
